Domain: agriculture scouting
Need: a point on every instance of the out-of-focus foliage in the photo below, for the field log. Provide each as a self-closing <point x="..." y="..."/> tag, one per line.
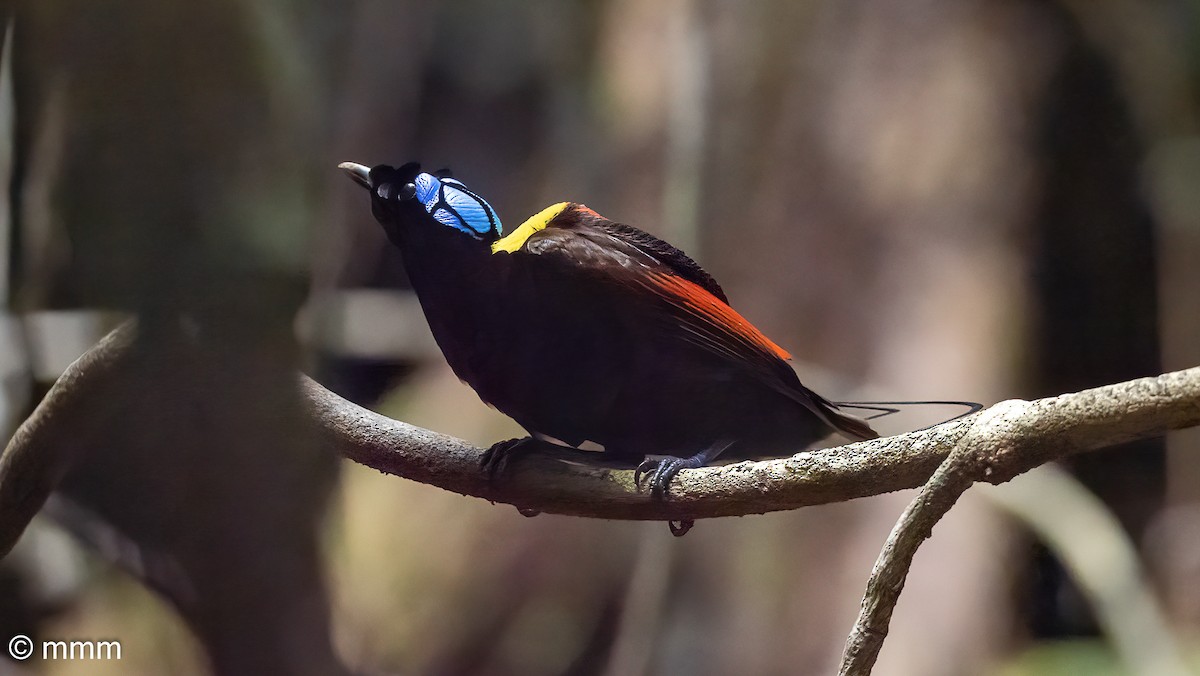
<point x="972" y="199"/>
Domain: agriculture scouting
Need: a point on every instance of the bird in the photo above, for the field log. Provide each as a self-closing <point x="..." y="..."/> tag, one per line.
<point x="594" y="334"/>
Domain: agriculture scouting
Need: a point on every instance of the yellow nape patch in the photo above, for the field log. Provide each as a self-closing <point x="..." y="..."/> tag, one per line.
<point x="516" y="239"/>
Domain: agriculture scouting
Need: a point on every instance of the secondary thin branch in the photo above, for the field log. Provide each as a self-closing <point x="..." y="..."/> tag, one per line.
<point x="1005" y="440"/>
<point x="967" y="463"/>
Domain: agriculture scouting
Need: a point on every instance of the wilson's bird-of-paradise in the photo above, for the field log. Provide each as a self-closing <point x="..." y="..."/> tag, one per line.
<point x="594" y="334"/>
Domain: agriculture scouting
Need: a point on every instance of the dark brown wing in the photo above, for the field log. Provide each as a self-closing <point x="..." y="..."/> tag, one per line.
<point x="677" y="295"/>
<point x="578" y="217"/>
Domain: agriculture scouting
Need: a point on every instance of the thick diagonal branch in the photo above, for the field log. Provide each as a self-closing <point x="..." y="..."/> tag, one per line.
<point x="562" y="484"/>
<point x="1052" y="428"/>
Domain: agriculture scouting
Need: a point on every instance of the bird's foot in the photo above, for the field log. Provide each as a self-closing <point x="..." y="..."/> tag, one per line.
<point x="659" y="470"/>
<point x="496" y="458"/>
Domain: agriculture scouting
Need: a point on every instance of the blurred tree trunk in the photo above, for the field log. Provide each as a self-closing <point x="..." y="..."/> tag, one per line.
<point x="1095" y="266"/>
<point x="168" y="156"/>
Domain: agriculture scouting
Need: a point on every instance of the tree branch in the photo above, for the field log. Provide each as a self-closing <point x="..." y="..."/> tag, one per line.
<point x="1047" y="429"/>
<point x="951" y="479"/>
<point x="69" y="418"/>
<point x="1003" y="441"/>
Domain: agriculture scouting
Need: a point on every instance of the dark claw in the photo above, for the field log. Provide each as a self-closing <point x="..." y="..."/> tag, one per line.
<point x="681" y="527"/>
<point x="661" y="471"/>
<point x="646" y="467"/>
<point x="496" y="458"/>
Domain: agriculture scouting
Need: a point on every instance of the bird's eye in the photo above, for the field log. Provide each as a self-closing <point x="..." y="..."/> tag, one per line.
<point x="389" y="191"/>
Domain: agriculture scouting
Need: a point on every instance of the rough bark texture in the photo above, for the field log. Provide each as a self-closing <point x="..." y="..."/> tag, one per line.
<point x="1028" y="434"/>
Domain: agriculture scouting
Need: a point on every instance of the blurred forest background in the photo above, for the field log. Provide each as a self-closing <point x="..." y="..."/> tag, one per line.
<point x="973" y="199"/>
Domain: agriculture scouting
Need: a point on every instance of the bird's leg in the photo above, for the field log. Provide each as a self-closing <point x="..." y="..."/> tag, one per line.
<point x="661" y="469"/>
<point x="496" y="458"/>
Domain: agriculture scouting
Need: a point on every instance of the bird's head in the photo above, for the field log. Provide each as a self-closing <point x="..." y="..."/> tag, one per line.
<point x="407" y="197"/>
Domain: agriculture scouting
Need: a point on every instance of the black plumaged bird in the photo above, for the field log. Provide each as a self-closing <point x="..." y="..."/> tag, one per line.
<point x="590" y="332"/>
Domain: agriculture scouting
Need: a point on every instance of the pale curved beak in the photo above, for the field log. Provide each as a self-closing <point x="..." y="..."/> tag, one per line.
<point x="360" y="174"/>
